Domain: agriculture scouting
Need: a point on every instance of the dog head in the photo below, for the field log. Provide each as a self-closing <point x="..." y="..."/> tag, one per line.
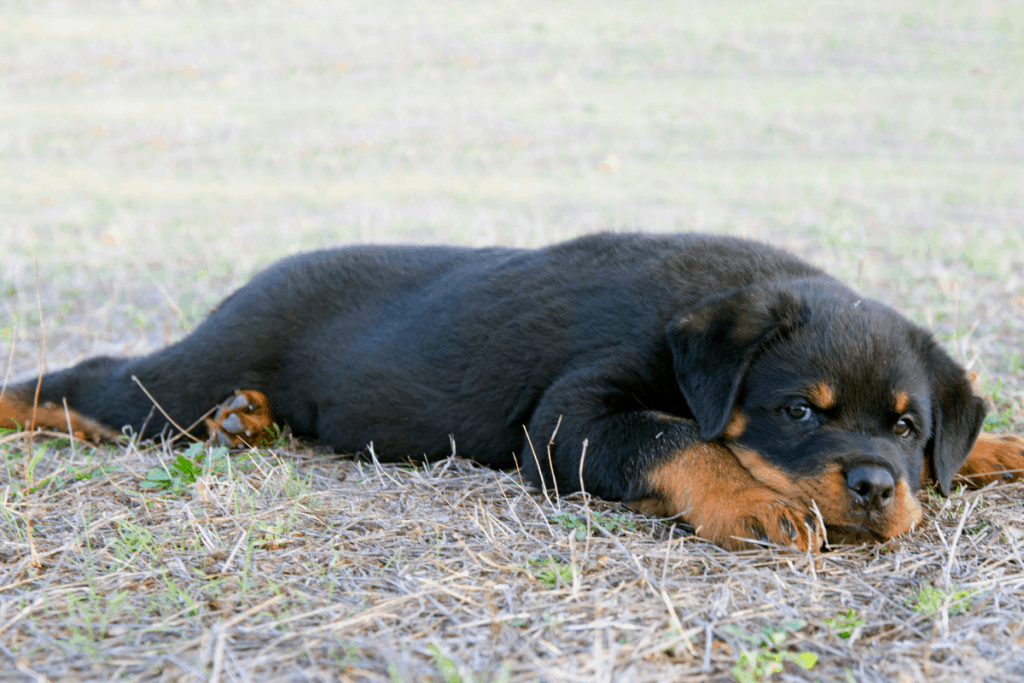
<point x="825" y="396"/>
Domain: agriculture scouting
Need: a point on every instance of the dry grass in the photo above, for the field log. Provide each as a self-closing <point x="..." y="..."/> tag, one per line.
<point x="157" y="153"/>
<point x="288" y="564"/>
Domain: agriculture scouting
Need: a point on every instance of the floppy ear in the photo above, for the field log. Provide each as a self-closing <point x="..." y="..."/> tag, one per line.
<point x="957" y="415"/>
<point x="713" y="346"/>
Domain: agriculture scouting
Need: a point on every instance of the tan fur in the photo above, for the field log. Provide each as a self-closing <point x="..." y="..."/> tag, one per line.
<point x="737" y="423"/>
<point x="995" y="457"/>
<point x="713" y="492"/>
<point x="16" y="414"/>
<point x="823" y="395"/>
<point x="829" y="492"/>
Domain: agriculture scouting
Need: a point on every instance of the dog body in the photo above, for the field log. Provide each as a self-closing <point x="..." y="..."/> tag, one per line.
<point x="709" y="377"/>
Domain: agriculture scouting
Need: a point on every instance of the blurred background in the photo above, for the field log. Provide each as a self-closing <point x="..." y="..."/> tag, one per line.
<point x="155" y="154"/>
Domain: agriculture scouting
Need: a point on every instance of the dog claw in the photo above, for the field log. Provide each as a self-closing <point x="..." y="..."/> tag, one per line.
<point x="787" y="528"/>
<point x="240" y="401"/>
<point x="232" y="424"/>
<point x="758" y="533"/>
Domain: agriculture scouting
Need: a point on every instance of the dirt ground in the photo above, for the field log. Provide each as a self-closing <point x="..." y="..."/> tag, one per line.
<point x="155" y="154"/>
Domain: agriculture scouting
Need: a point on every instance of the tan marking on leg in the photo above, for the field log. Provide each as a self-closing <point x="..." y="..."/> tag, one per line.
<point x="995" y="457"/>
<point x="822" y="395"/>
<point x="902" y="400"/>
<point x="759" y="468"/>
<point x="737" y="423"/>
<point x="706" y="486"/>
<point x="828" y="489"/>
<point x="17" y="414"/>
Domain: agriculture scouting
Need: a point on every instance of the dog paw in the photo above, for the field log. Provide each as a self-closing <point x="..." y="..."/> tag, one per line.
<point x="760" y="514"/>
<point x="242" y="421"/>
<point x="995" y="457"/>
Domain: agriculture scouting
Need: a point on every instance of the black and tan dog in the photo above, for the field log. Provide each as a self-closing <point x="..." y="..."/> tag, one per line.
<point x="715" y="379"/>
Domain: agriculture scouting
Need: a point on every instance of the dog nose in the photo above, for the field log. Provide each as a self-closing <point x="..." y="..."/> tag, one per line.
<point x="872" y="486"/>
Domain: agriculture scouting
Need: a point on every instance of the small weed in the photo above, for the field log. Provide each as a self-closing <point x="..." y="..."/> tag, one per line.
<point x="87" y="473"/>
<point x="610" y="522"/>
<point x="186" y="468"/>
<point x="89" y="615"/>
<point x="450" y="673"/>
<point x="445" y="666"/>
<point x="551" y="572"/>
<point x="998" y="419"/>
<point x="1001" y="419"/>
<point x="131" y="540"/>
<point x="842" y="625"/>
<point x="1014" y="364"/>
<point x="929" y="600"/>
<point x="768" y="658"/>
<point x="348" y="656"/>
<point x="279" y="436"/>
<point x="394" y="675"/>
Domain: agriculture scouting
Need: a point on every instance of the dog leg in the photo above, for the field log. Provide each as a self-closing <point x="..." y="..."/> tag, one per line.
<point x="995" y="457"/>
<point x="18" y="414"/>
<point x="707" y="487"/>
<point x="244" y="420"/>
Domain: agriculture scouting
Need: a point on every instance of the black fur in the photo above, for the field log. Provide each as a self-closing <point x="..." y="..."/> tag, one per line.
<point x="638" y="343"/>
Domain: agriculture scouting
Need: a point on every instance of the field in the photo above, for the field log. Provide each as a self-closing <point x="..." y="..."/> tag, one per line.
<point x="156" y="154"/>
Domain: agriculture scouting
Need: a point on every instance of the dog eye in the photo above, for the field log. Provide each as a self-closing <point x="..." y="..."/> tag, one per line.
<point x="799" y="412"/>
<point x="903" y="427"/>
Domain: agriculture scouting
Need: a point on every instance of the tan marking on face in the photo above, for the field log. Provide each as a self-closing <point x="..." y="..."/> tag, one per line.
<point x="822" y="395"/>
<point x="830" y="493"/>
<point x="902" y="401"/>
<point x="737" y="423"/>
<point x="903" y="513"/>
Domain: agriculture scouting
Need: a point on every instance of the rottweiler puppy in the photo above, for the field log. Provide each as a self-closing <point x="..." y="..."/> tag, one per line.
<point x="709" y="378"/>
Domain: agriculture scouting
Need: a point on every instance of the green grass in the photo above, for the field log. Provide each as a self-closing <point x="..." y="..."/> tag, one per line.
<point x="609" y="521"/>
<point x="767" y="653"/>
<point x="931" y="600"/>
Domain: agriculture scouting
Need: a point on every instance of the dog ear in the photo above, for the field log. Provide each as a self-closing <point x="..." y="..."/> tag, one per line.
<point x="713" y="346"/>
<point x="957" y="415"/>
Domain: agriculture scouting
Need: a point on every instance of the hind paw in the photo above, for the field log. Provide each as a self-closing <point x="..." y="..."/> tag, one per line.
<point x="242" y="421"/>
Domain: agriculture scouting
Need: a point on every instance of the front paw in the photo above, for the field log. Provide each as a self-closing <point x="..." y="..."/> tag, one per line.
<point x="758" y="514"/>
<point x="995" y="457"/>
